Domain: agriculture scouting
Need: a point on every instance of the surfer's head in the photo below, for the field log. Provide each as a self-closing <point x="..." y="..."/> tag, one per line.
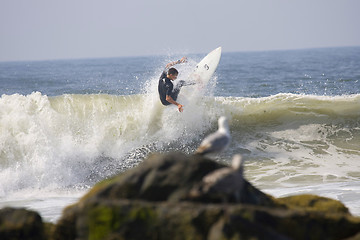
<point x="172" y="73"/>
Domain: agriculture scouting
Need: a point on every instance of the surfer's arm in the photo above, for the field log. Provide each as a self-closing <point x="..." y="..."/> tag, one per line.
<point x="171" y="100"/>
<point x="182" y="60"/>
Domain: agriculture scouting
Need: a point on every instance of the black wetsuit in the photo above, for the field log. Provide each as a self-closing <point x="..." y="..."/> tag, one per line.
<point x="166" y="88"/>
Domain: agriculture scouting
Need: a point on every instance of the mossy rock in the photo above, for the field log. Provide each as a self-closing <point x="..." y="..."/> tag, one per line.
<point x="160" y="177"/>
<point x="136" y="219"/>
<point x="168" y="177"/>
<point x="310" y="202"/>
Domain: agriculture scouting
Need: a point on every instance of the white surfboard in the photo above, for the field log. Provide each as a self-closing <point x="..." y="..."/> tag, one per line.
<point x="195" y="113"/>
<point x="200" y="76"/>
<point x="206" y="67"/>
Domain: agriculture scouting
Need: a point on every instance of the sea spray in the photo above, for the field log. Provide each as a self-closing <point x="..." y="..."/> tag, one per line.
<point x="76" y="140"/>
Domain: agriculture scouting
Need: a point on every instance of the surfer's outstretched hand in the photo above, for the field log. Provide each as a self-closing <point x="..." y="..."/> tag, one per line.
<point x="183" y="60"/>
<point x="180" y="107"/>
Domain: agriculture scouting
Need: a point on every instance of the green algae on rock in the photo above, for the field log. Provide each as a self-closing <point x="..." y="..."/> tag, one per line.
<point x="314" y="203"/>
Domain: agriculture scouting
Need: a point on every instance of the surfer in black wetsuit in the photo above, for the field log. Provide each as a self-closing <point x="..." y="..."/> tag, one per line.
<point x="167" y="93"/>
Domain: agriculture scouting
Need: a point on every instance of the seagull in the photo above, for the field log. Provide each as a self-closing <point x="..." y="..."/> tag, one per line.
<point x="217" y="141"/>
<point x="224" y="182"/>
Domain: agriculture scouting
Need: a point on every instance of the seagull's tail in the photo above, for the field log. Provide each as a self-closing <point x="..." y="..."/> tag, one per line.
<point x="201" y="151"/>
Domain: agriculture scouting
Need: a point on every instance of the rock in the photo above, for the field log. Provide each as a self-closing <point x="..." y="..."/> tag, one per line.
<point x="136" y="219"/>
<point x="356" y="237"/>
<point x="314" y="203"/>
<point x="20" y="224"/>
<point x="158" y="178"/>
<point x="152" y="201"/>
<point x="226" y="183"/>
<point x="169" y="177"/>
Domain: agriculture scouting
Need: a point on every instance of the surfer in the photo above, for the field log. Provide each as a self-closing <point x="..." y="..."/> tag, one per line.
<point x="168" y="94"/>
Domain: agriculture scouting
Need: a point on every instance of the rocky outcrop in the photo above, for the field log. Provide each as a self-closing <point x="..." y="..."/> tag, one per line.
<point x="153" y="201"/>
<point x="20" y="224"/>
<point x="171" y="178"/>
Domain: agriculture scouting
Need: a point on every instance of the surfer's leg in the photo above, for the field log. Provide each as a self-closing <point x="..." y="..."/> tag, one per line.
<point x="177" y="89"/>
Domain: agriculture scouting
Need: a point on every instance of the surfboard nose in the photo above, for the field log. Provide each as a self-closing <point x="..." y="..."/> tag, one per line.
<point x="216" y="52"/>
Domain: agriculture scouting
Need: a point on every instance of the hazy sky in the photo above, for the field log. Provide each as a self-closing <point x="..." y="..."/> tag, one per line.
<point x="62" y="29"/>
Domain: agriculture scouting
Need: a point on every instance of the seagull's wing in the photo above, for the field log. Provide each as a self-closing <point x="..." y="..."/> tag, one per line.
<point x="215" y="142"/>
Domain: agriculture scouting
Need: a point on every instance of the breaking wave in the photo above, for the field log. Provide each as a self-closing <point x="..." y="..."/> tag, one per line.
<point x="76" y="140"/>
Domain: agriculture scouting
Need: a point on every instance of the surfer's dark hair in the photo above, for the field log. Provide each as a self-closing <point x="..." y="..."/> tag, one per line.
<point x="173" y="71"/>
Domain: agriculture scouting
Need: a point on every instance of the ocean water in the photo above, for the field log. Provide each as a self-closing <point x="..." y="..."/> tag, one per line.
<point x="66" y="124"/>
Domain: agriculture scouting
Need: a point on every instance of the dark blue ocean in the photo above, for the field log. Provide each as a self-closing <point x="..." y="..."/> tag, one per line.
<point x="66" y="124"/>
<point x="323" y="72"/>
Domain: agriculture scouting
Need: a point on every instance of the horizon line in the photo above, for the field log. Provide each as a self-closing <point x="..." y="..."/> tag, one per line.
<point x="160" y="55"/>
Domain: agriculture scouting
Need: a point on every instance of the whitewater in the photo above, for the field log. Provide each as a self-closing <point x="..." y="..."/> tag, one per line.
<point x="57" y="141"/>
